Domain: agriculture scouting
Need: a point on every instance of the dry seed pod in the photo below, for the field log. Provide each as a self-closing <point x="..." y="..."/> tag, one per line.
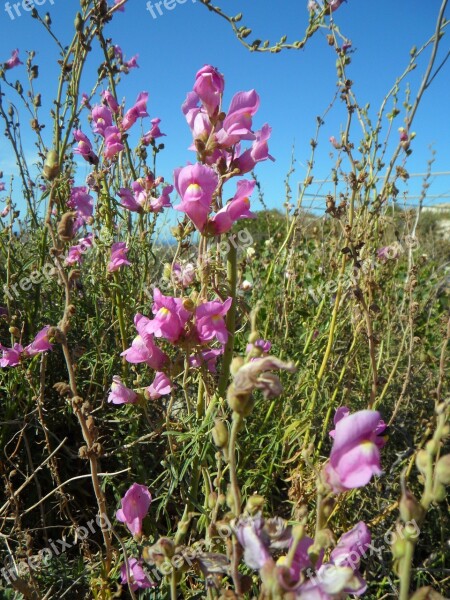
<point x="65" y="226"/>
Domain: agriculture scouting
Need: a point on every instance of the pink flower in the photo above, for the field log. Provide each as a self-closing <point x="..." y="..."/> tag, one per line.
<point x="85" y="101"/>
<point x="351" y="546"/>
<point x="210" y="322"/>
<point x="209" y="85"/>
<point x="84" y="148"/>
<point x="118" y="52"/>
<point x="75" y="254"/>
<point x="5" y="212"/>
<point x="128" y="200"/>
<point x="334" y="4"/>
<point x="259" y="151"/>
<point x="139" y="579"/>
<point x="139" y="110"/>
<point x="161" y="386"/>
<point x="14" y="61"/>
<point x="132" y="62"/>
<point x="135" y="505"/>
<point x="196" y="185"/>
<point x="196" y="118"/>
<point x="110" y="100"/>
<point x="39" y="344"/>
<point x="119" y="252"/>
<point x="11" y="356"/>
<point x="83" y="204"/>
<point x="122" y="7"/>
<point x="206" y="358"/>
<point x="2" y="186"/>
<point x="102" y="119"/>
<point x="120" y="394"/>
<point x="183" y="275"/>
<point x="355" y="455"/>
<point x="238" y="208"/>
<point x="262" y="346"/>
<point x="162" y="201"/>
<point x="170" y="317"/>
<point x="113" y="142"/>
<point x="154" y="132"/>
<point x="143" y="348"/>
<point x="238" y="122"/>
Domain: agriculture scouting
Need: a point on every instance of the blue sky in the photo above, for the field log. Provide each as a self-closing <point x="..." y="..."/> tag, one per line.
<point x="294" y="86"/>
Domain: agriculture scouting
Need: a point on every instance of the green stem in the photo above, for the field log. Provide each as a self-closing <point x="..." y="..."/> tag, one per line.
<point x="230" y="321"/>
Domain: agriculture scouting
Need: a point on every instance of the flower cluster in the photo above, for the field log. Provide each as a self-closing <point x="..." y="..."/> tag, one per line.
<point x="11" y="357"/>
<point x="300" y="571"/>
<point x="217" y="139"/>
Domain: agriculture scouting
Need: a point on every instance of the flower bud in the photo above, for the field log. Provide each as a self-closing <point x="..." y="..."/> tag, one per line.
<point x="236" y="364"/>
<point x="220" y="434"/>
<point x="51" y="165"/>
<point x="422" y="461"/>
<point x="431" y="447"/>
<point x="409" y="507"/>
<point x="398" y="548"/>
<point x="439" y="492"/>
<point x="254" y="504"/>
<point x="15" y="332"/>
<point x="442" y="470"/>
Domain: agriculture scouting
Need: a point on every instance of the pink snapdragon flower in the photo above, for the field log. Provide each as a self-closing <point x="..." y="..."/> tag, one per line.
<point x="83" y="204"/>
<point x="183" y="275"/>
<point x="170" y="317"/>
<point x="351" y="546"/>
<point x="120" y="394"/>
<point x="237" y="125"/>
<point x="2" y="186"/>
<point x="132" y="62"/>
<point x="113" y="142"/>
<point x="143" y="348"/>
<point x="84" y="148"/>
<point x="210" y="321"/>
<point x="111" y="102"/>
<point x="162" y="201"/>
<point x="101" y="119"/>
<point x="119" y="252"/>
<point x="238" y="208"/>
<point x="14" y="61"/>
<point x="39" y="344"/>
<point x="139" y="110"/>
<point x="154" y="132"/>
<point x="196" y="185"/>
<point x="135" y="505"/>
<point x="11" y="356"/>
<point x="209" y="85"/>
<point x="355" y="455"/>
<point x="161" y="386"/>
<point x="128" y="200"/>
<point x="75" y="254"/>
<point x="258" y="152"/>
<point x="197" y="118"/>
<point x="139" y="579"/>
<point x="206" y="358"/>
